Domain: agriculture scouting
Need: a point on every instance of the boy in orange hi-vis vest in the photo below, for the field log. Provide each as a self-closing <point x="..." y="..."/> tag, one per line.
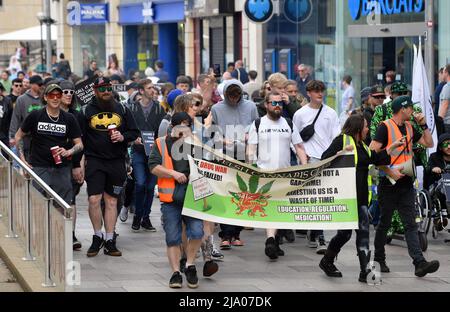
<point x="173" y="174"/>
<point x="400" y="194"/>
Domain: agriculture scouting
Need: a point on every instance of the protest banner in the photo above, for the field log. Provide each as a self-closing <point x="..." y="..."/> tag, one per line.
<point x="84" y="91"/>
<point x="313" y="197"/>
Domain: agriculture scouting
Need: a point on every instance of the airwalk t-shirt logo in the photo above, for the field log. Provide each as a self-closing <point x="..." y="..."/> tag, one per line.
<point x="52" y="129"/>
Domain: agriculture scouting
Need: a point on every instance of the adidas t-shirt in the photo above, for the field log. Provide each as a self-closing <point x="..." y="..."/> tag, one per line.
<point x="46" y="133"/>
<point x="274" y="143"/>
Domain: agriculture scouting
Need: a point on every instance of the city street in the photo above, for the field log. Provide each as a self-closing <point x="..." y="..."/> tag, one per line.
<point x="144" y="265"/>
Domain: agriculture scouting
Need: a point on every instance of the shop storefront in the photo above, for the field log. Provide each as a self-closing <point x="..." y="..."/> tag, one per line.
<point x="87" y="20"/>
<point x="153" y="30"/>
<point x="361" y="38"/>
<point x="217" y="33"/>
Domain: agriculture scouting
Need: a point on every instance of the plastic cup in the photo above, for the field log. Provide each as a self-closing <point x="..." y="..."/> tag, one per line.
<point x="112" y="129"/>
<point x="56" y="157"/>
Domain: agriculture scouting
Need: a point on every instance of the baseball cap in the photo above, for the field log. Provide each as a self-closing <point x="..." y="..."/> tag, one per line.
<point x="102" y="81"/>
<point x="399" y="87"/>
<point x="401" y="102"/>
<point x="365" y="93"/>
<point x="173" y="95"/>
<point x="67" y="85"/>
<point x="52" y="87"/>
<point x="36" y="79"/>
<point x="133" y="85"/>
<point x="377" y="90"/>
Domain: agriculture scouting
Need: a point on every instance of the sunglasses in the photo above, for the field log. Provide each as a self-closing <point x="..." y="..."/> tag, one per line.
<point x="54" y="96"/>
<point x="18" y="86"/>
<point x="197" y="104"/>
<point x="40" y="84"/>
<point x="276" y="103"/>
<point x="104" y="89"/>
<point x="380" y="97"/>
<point x="402" y="93"/>
<point x="445" y="144"/>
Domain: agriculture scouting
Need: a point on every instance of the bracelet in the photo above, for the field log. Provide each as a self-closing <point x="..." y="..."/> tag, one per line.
<point x="424" y="127"/>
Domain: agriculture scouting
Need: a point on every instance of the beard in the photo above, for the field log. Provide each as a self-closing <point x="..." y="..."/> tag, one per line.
<point x="106" y="105"/>
<point x="275" y="115"/>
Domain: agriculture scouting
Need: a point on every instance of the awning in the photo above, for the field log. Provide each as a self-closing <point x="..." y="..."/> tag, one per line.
<point x="30" y="34"/>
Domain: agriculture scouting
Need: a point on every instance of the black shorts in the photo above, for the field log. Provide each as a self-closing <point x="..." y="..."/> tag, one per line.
<point x="105" y="176"/>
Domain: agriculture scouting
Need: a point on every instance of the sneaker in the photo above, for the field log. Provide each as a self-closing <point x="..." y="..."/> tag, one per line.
<point x="216" y="254"/>
<point x="289" y="235"/>
<point x="191" y="276"/>
<point x="183" y="265"/>
<point x="237" y="242"/>
<point x="280" y="252"/>
<point x="225" y="244"/>
<point x="76" y="243"/>
<point x="123" y="215"/>
<point x="209" y="268"/>
<point x="383" y="266"/>
<point x="312" y="243"/>
<point x="110" y="249"/>
<point x="425" y="267"/>
<point x="147" y="225"/>
<point x="321" y="248"/>
<point x="176" y="280"/>
<point x="271" y="250"/>
<point x="329" y="268"/>
<point x="97" y="244"/>
<point x="136" y="226"/>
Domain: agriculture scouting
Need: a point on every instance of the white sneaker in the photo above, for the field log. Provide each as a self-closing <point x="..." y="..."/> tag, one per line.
<point x="216" y="254"/>
<point x="321" y="248"/>
<point x="311" y="243"/>
<point x="123" y="216"/>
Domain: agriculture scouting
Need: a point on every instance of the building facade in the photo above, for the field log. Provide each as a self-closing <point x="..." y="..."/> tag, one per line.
<point x="361" y="38"/>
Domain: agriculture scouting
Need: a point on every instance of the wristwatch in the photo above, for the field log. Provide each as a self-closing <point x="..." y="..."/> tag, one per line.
<point x="424" y="127"/>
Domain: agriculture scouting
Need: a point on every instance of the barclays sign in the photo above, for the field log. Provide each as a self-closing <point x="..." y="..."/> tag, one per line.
<point x="360" y="8"/>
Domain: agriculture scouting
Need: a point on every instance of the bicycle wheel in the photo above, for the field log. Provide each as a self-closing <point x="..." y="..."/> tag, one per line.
<point x="424" y="208"/>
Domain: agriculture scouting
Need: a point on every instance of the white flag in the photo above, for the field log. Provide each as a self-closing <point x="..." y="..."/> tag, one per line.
<point x="421" y="94"/>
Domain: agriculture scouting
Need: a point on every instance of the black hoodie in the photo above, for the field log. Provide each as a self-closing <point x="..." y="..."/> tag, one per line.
<point x="436" y="160"/>
<point x="96" y="139"/>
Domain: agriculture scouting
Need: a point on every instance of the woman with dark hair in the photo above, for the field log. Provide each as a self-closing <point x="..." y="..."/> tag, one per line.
<point x="113" y="66"/>
<point x="354" y="133"/>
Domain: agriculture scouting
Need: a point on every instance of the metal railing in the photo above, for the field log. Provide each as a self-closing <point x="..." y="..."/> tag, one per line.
<point x="37" y="216"/>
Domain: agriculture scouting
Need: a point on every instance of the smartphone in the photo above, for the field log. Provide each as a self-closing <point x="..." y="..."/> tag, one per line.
<point x="217" y="72"/>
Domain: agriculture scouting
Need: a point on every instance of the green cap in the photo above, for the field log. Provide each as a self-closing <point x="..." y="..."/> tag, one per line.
<point x="399" y="87"/>
<point x="52" y="87"/>
<point x="401" y="102"/>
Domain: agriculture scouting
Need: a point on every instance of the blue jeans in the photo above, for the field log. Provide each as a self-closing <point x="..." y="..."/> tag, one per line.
<point x="173" y="219"/>
<point x="144" y="185"/>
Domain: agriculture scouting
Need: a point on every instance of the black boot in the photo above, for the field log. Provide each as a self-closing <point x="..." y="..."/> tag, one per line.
<point x="363" y="262"/>
<point x="327" y="264"/>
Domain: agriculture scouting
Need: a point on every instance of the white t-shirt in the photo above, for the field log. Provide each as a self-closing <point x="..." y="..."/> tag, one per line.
<point x="327" y="128"/>
<point x="274" y="143"/>
<point x="348" y="94"/>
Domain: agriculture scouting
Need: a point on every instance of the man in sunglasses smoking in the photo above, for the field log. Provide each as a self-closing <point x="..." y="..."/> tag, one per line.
<point x="108" y="127"/>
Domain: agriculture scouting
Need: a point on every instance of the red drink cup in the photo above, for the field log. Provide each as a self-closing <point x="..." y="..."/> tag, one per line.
<point x="111" y="129"/>
<point x="56" y="158"/>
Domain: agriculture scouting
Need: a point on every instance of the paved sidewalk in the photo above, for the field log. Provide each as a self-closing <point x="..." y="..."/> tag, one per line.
<point x="144" y="265"/>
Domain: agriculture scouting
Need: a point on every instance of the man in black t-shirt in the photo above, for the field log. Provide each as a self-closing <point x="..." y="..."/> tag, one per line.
<point x="105" y="152"/>
<point x="52" y="131"/>
<point x="401" y="193"/>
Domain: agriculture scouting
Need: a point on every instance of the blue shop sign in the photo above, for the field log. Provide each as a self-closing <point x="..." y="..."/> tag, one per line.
<point x="360" y="8"/>
<point x="150" y="12"/>
<point x="259" y="11"/>
<point x="85" y="14"/>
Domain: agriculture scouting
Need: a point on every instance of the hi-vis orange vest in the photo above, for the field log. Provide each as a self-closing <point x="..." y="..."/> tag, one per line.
<point x="166" y="186"/>
<point x="400" y="154"/>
